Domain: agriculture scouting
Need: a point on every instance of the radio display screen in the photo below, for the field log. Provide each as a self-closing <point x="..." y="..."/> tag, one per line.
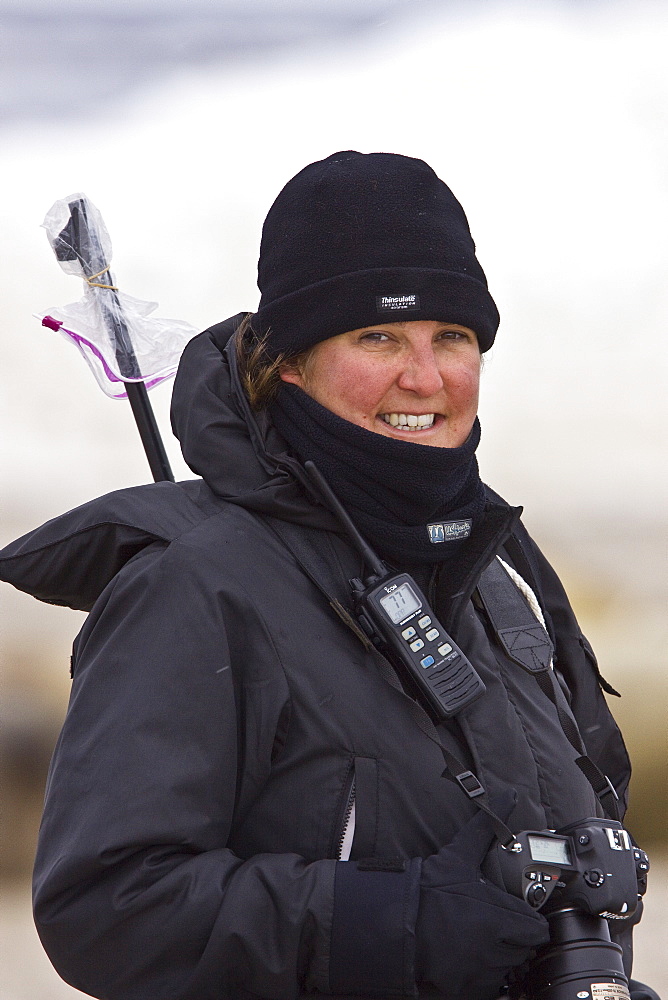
<point x="401" y="603"/>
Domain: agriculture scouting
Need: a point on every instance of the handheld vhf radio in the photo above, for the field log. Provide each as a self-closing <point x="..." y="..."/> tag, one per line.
<point x="396" y="616"/>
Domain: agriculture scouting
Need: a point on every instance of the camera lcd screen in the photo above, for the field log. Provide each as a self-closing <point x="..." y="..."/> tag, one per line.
<point x="549" y="850"/>
<point x="400" y="603"/>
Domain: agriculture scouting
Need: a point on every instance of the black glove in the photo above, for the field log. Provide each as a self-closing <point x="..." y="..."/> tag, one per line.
<point x="470" y="934"/>
<point x="639" y="991"/>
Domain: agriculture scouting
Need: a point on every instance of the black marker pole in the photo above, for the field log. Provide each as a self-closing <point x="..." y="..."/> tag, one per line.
<point x="78" y="240"/>
<point x="149" y="433"/>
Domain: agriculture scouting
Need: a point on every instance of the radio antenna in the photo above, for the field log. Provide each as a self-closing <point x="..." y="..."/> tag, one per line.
<point x="377" y="566"/>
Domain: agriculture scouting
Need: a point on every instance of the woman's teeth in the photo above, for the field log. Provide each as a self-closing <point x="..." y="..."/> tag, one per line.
<point x="408" y="421"/>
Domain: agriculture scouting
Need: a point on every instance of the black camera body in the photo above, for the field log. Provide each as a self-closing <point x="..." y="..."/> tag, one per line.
<point x="580" y="876"/>
<point x="592" y="865"/>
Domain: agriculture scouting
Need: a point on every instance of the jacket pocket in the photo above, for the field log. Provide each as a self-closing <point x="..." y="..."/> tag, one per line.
<point x="356" y="826"/>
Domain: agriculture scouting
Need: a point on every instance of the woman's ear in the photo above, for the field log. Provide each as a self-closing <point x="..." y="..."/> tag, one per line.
<point x="289" y="373"/>
<point x="295" y="369"/>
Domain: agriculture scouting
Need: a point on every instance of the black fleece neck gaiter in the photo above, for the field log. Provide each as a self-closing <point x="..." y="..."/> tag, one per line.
<point x="412" y="502"/>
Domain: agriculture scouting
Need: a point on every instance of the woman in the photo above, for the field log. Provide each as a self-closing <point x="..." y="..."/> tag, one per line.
<point x="247" y="799"/>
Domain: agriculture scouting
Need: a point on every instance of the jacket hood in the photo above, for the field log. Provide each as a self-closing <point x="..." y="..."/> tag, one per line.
<point x="240" y="455"/>
<point x="71" y="559"/>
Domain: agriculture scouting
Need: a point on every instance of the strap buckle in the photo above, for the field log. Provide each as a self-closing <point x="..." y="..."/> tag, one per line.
<point x="468" y="781"/>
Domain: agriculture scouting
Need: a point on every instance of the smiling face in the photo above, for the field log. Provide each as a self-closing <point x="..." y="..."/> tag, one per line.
<point x="416" y="381"/>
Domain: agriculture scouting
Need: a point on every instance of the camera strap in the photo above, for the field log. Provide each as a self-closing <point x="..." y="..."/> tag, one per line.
<point x="523" y="637"/>
<point x="309" y="557"/>
<point x="526" y="642"/>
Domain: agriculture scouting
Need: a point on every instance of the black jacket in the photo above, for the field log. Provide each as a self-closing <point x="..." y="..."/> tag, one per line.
<point x="223" y="714"/>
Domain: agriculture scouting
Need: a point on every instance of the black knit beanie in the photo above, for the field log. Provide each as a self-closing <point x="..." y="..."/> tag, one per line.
<point x="359" y="239"/>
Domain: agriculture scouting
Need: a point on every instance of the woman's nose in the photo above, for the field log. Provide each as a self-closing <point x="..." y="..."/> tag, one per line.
<point x="421" y="374"/>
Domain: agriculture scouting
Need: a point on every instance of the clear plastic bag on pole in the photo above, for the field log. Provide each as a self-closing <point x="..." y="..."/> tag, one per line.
<point x="116" y="334"/>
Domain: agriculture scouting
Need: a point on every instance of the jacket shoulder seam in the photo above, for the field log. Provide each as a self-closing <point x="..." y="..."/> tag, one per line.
<point x="152" y="536"/>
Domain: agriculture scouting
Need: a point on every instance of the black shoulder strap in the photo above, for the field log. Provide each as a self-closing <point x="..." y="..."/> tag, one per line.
<point x="521" y="556"/>
<point x="527" y="643"/>
<point x="520" y="633"/>
<point x="320" y="572"/>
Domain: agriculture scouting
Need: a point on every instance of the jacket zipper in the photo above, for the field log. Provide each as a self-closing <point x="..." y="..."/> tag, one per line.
<point x="348" y="826"/>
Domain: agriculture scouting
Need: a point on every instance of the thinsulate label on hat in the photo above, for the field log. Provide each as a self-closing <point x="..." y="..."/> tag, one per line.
<point x="607" y="991"/>
<point x="390" y="303"/>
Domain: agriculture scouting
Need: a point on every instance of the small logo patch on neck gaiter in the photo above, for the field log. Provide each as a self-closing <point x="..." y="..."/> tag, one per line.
<point x="449" y="531"/>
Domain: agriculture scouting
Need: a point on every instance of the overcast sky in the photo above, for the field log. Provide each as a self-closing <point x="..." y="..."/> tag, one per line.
<point x="548" y="119"/>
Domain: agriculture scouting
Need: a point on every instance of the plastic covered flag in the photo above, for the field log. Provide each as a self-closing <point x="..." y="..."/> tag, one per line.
<point x="127" y="350"/>
<point x="117" y="335"/>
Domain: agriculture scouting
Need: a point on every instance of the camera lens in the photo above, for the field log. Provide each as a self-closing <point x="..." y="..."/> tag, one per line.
<point x="580" y="956"/>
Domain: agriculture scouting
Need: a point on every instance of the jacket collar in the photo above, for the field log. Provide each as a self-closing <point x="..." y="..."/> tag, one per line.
<point x="453" y="584"/>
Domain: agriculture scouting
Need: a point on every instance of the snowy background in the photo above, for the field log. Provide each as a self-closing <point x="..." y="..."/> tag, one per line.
<point x="547" y="119"/>
<point x="182" y="121"/>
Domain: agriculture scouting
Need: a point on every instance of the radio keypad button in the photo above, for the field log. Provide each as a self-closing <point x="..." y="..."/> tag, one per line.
<point x="417" y="645"/>
<point x="425" y="621"/>
<point x="432" y="634"/>
<point x="408" y="633"/>
<point x="445" y="649"/>
<point x="427" y="661"/>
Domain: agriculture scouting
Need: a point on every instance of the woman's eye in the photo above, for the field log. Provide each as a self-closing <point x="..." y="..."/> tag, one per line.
<point x="454" y="335"/>
<point x="375" y="337"/>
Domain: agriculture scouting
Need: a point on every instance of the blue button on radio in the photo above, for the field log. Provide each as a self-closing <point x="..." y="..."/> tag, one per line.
<point x="427" y="661"/>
